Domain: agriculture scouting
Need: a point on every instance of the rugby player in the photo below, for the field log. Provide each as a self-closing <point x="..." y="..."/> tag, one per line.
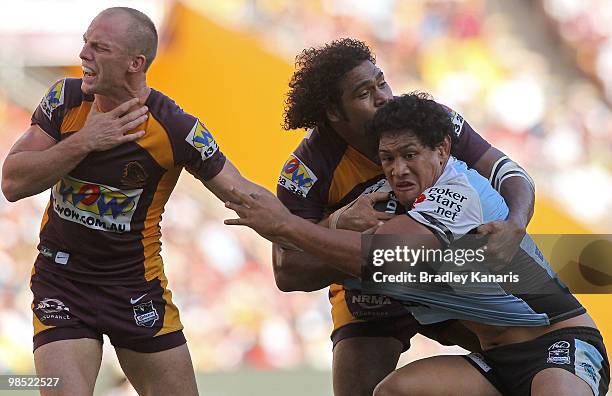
<point x="111" y="149"/>
<point x="534" y="343"/>
<point x="335" y="91"/>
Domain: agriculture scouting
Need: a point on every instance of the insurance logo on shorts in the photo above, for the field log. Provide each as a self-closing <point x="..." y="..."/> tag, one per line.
<point x="559" y="353"/>
<point x="296" y="176"/>
<point x="145" y="314"/>
<point x="52" y="308"/>
<point x="202" y="140"/>
<point x="95" y="206"/>
<point x="53" y="99"/>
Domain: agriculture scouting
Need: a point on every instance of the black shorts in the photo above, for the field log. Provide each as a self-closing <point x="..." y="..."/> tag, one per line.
<point x="139" y="317"/>
<point x="579" y="350"/>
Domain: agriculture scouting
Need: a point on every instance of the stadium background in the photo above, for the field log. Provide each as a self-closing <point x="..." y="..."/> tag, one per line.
<point x="533" y="77"/>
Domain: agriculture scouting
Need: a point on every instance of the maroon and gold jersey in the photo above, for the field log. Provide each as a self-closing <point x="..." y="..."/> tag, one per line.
<point x="324" y="173"/>
<point x="102" y="223"/>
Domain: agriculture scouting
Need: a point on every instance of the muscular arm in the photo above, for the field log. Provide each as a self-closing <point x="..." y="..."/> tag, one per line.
<point x="36" y="162"/>
<point x="230" y="177"/>
<point x="517" y="192"/>
<point x="299" y="271"/>
<point x="296" y="270"/>
<point x="338" y="248"/>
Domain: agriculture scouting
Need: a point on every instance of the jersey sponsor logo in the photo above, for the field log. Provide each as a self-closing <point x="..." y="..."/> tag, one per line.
<point x="382" y="185"/>
<point x="53" y="99"/>
<point x="52" y="308"/>
<point x="145" y="314"/>
<point x="370" y="301"/>
<point x="202" y="140"/>
<point x="95" y="206"/>
<point x="296" y="176"/>
<point x="418" y="200"/>
<point x="52" y="305"/>
<point x="450" y="203"/>
<point x="457" y="121"/>
<point x="559" y="353"/>
<point x="391" y="205"/>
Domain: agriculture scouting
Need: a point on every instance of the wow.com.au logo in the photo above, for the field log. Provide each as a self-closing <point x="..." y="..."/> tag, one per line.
<point x="94" y="205"/>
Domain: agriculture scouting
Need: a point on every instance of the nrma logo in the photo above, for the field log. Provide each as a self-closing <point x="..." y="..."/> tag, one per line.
<point x="203" y="141"/>
<point x="94" y="205"/>
<point x="296" y="176"/>
<point x="53" y="99"/>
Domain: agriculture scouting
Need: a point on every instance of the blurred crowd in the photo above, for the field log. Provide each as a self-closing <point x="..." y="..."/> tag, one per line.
<point x="468" y="58"/>
<point x="585" y="28"/>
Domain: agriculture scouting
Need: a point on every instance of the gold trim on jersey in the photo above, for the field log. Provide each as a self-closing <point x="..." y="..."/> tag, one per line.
<point x="75" y="118"/>
<point x="354" y="168"/>
<point x="151" y="232"/>
<point x="156" y="142"/>
<point x="172" y="320"/>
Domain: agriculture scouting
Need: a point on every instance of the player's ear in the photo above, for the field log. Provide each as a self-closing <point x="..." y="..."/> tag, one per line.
<point x="333" y="114"/>
<point x="137" y="64"/>
<point x="444" y="149"/>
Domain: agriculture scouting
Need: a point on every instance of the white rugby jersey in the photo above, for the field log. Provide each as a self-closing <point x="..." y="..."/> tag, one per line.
<point x="459" y="202"/>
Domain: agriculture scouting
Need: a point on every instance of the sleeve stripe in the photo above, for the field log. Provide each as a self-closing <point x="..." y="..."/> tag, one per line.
<point x="496" y="167"/>
<point x="516" y="174"/>
<point x="45" y="132"/>
<point x="439" y="230"/>
<point x="441" y="226"/>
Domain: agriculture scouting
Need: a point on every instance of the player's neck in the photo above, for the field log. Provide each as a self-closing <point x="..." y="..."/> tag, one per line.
<point x="359" y="143"/>
<point x="367" y="151"/>
<point x="108" y="102"/>
<point x="441" y="171"/>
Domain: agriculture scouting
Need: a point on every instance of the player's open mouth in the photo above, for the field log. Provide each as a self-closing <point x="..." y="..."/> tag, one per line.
<point x="404" y="186"/>
<point x="88" y="74"/>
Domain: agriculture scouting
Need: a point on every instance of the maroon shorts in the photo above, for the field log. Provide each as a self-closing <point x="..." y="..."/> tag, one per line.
<point x="139" y="317"/>
<point x="363" y="315"/>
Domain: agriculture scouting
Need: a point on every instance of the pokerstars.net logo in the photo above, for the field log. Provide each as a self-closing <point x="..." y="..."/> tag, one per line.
<point x="450" y="203"/>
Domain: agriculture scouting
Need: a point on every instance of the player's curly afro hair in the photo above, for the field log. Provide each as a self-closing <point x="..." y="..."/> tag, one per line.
<point x="418" y="113"/>
<point x="314" y="86"/>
